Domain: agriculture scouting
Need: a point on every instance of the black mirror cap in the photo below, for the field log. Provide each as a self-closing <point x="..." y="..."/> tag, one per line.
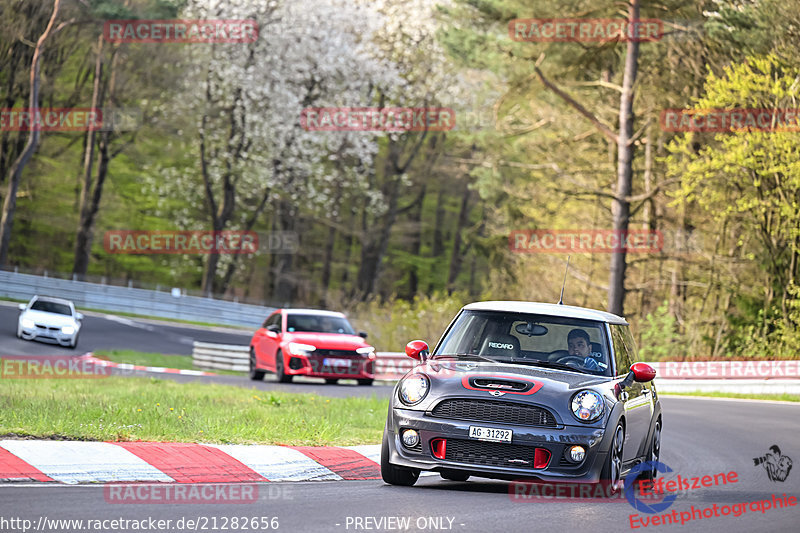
<point x="362" y="334"/>
<point x="274" y="328"/>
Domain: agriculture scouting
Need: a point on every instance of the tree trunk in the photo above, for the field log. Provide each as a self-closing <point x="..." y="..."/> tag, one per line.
<point x="83" y="238"/>
<point x="456" y="258"/>
<point x="15" y="172"/>
<point x="620" y="208"/>
<point x="416" y="245"/>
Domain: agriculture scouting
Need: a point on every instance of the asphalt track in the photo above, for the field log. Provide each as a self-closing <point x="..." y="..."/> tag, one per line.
<point x="102" y="332"/>
<point x="701" y="437"/>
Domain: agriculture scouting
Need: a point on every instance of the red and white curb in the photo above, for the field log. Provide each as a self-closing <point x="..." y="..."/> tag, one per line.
<point x="75" y="462"/>
<point x="127" y="366"/>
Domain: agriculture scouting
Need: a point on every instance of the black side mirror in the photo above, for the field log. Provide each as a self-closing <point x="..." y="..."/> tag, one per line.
<point x="362" y="334"/>
<point x="274" y="328"/>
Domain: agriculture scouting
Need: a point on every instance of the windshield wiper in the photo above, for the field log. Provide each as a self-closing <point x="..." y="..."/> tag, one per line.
<point x="463" y="355"/>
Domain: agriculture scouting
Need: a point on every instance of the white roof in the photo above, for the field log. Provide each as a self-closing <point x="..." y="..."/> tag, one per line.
<point x="319" y="312"/>
<point x="536" y="308"/>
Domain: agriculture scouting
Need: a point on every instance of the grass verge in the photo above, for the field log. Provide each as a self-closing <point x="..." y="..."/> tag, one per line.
<point x="183" y="362"/>
<point x="129" y="409"/>
<point x="773" y="397"/>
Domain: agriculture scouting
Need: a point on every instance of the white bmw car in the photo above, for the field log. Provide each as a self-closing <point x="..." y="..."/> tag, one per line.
<point x="51" y="319"/>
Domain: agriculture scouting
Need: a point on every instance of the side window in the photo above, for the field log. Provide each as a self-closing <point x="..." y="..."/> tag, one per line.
<point x="622" y="354"/>
<point x="274" y="319"/>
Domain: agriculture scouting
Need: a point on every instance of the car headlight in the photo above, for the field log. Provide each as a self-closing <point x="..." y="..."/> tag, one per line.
<point x="587" y="406"/>
<point x="366" y="350"/>
<point x="301" y="349"/>
<point x="413" y="389"/>
<point x="28" y="323"/>
<point x="67" y="330"/>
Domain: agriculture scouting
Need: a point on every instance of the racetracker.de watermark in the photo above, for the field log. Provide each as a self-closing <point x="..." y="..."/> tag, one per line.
<point x="70" y="119"/>
<point x="788" y="369"/>
<point x="585" y="30"/>
<point x="181" y="31"/>
<point x="50" y="367"/>
<point x="194" y="493"/>
<point x="587" y="241"/>
<point x="391" y="119"/>
<point x="180" y="242"/>
<point x="730" y="120"/>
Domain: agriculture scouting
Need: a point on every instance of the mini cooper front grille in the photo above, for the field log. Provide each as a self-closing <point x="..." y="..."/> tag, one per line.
<point x="490" y="453"/>
<point x="494" y="411"/>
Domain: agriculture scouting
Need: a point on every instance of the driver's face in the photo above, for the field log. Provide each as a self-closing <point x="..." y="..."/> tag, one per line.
<point x="578" y="346"/>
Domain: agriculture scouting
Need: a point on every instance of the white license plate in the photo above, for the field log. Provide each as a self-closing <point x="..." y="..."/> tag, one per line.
<point x="335" y="362"/>
<point x="492" y="434"/>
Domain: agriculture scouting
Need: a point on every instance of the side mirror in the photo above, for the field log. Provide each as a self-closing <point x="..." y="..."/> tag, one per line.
<point x="417" y="350"/>
<point x="274" y="328"/>
<point x="22" y="307"/>
<point x="362" y="334"/>
<point x="642" y="372"/>
<point x="78" y="316"/>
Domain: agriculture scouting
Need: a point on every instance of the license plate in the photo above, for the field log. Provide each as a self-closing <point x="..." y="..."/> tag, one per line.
<point x="491" y="434"/>
<point x="335" y="362"/>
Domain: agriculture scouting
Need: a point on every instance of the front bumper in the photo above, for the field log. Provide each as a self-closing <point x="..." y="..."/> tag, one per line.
<point x="525" y="440"/>
<point x="318" y="367"/>
<point x="44" y="333"/>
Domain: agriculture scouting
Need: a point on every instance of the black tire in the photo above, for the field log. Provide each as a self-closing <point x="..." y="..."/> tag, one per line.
<point x="281" y="375"/>
<point x="454" y="475"/>
<point x="331" y="381"/>
<point x="611" y="475"/>
<point x="393" y="474"/>
<point x="365" y="382"/>
<point x="655" y="452"/>
<point x="255" y="373"/>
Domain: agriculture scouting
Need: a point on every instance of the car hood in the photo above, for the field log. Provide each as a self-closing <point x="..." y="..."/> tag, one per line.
<point x="548" y="387"/>
<point x="329" y="341"/>
<point x="49" y="319"/>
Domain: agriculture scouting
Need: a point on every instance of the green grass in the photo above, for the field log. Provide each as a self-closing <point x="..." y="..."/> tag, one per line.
<point x="148" y="359"/>
<point x="773" y="397"/>
<point x="133" y="357"/>
<point x="150" y="409"/>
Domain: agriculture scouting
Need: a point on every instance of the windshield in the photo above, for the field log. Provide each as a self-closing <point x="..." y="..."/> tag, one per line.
<point x="578" y="345"/>
<point x="51" y="307"/>
<point x="319" y="324"/>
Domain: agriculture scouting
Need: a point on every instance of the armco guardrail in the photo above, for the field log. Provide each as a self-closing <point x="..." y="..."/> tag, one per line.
<point x="220" y="356"/>
<point x="129" y="300"/>
<point x="752" y="377"/>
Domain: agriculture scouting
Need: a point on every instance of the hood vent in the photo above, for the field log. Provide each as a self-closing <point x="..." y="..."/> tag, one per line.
<point x="503" y="385"/>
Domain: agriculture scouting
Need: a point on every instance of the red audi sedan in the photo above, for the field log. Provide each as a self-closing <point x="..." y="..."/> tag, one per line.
<point x="309" y="342"/>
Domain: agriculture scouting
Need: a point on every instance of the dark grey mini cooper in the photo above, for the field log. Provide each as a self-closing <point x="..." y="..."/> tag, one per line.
<point x="520" y="390"/>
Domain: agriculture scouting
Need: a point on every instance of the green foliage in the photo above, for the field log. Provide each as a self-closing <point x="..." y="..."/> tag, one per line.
<point x="660" y="338"/>
<point x="391" y="325"/>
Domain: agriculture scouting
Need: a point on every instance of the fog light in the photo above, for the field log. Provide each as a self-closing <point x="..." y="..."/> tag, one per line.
<point x="410" y="438"/>
<point x="577" y="453"/>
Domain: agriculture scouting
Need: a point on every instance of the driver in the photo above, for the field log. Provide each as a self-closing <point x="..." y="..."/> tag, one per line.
<point x="579" y="345"/>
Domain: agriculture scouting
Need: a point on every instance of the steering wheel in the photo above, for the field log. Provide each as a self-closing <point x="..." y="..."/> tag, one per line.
<point x="571" y="360"/>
